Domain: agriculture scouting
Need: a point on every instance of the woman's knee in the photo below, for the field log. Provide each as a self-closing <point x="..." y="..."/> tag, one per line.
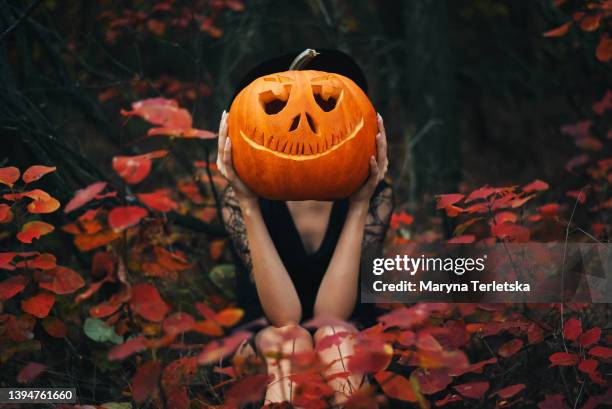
<point x="289" y="338"/>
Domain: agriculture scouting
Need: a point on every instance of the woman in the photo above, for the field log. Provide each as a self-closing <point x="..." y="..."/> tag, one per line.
<point x="301" y="260"/>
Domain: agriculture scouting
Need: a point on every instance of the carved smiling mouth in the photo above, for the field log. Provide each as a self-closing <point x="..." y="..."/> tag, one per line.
<point x="302" y="151"/>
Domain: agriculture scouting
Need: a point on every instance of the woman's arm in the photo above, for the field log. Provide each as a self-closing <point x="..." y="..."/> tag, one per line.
<point x="276" y="291"/>
<point x="338" y="291"/>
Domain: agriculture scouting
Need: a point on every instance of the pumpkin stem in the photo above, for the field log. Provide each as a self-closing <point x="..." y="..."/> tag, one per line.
<point x="303" y="59"/>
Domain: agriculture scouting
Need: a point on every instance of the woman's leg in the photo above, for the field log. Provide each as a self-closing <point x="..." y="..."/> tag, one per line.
<point x="275" y="343"/>
<point x="335" y="357"/>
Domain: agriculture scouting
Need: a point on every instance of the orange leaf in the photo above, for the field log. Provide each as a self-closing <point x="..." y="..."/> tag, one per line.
<point x="12" y="286"/>
<point x="39" y="305"/>
<point x="536" y="185"/>
<point x="86" y="242"/>
<point x="229" y="316"/>
<point x="84" y="196"/>
<point x="178" y="323"/>
<point x="559" y="31"/>
<point x="34" y="230"/>
<point x="396" y="386"/>
<point x="121" y="218"/>
<point x="6" y="215"/>
<point x="9" y="175"/>
<point x="44" y="206"/>
<point x="464" y="239"/>
<point x="448" y="199"/>
<point x="129" y="347"/>
<point x="36" y="172"/>
<point x="510" y="348"/>
<point x="590" y="22"/>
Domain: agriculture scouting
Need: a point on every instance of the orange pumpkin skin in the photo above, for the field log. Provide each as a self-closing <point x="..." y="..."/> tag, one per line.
<point x="302" y="135"/>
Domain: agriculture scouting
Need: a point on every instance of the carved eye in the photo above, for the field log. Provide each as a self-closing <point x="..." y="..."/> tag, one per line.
<point x="326" y="97"/>
<point x="271" y="103"/>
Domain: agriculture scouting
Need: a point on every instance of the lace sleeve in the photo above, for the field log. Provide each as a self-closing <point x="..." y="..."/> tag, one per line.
<point x="234" y="224"/>
<point x="379" y="215"/>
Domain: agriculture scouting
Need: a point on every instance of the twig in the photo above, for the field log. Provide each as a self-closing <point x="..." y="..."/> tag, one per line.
<point x="20" y="20"/>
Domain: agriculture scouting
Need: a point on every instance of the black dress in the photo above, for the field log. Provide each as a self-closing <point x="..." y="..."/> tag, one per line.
<point x="305" y="269"/>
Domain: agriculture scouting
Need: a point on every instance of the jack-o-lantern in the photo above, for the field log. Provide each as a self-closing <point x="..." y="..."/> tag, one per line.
<point x="302" y="135"/>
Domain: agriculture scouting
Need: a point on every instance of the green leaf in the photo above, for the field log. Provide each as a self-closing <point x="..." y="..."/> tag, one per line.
<point x="97" y="330"/>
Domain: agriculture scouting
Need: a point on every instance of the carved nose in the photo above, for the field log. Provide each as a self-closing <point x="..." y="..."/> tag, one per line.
<point x="295" y="123"/>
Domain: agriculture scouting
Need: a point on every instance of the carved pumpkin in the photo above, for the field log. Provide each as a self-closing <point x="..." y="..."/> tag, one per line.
<point x="302" y="135"/>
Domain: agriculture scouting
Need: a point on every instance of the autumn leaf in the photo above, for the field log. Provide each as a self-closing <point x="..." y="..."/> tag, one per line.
<point x="30" y="372"/>
<point x="220" y="348"/>
<point x="145" y="381"/>
<point x="448" y="199"/>
<point x="512" y="232"/>
<point x="12" y="286"/>
<point x="248" y="389"/>
<point x="463" y="239"/>
<point x="559" y="31"/>
<point x="510" y="391"/>
<point x="62" y="280"/>
<point x="399" y="219"/>
<point x="510" y="348"/>
<point x="6" y="215"/>
<point x="604" y="49"/>
<point x="35" y="172"/>
<point x="601" y="352"/>
<point x="472" y="390"/>
<point x="134" y="169"/>
<point x="34" y="230"/>
<point x="588" y="366"/>
<point x="178" y="323"/>
<point x="590" y="337"/>
<point x="84" y="196"/>
<point x="147" y="302"/>
<point x="431" y="381"/>
<point x="572" y="328"/>
<point x="535" y="186"/>
<point x="39" y="305"/>
<point x="159" y="200"/>
<point x="123" y="217"/>
<point x="9" y="175"/>
<point x="54" y="327"/>
<point x="129" y="347"/>
<point x="563" y="359"/>
<point x="395" y="386"/>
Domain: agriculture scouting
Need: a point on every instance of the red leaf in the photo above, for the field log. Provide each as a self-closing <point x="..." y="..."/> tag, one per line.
<point x="590" y="337"/>
<point x="600" y="107"/>
<point x="219" y="349"/>
<point x="553" y="402"/>
<point x="39" y="305"/>
<point x="510" y="391"/>
<point x="448" y="199"/>
<point x="9" y="175"/>
<point x="588" y="366"/>
<point x="535" y="186"/>
<point x="12" y="286"/>
<point x="34" y="230"/>
<point x="402" y="218"/>
<point x="481" y="193"/>
<point x="577" y="161"/>
<point x="178" y="323"/>
<point x="147" y="303"/>
<point x="431" y="380"/>
<point x="510" y="348"/>
<point x="590" y="22"/>
<point x="62" y="280"/>
<point x="133" y="169"/>
<point x="601" y="352"/>
<point x="54" y="327"/>
<point x="36" y="172"/>
<point x="159" y="200"/>
<point x="476" y="367"/>
<point x="511" y="232"/>
<point x="331" y="340"/>
<point x="121" y="218"/>
<point x="604" y="49"/>
<point x="559" y="31"/>
<point x="30" y="372"/>
<point x="589" y="143"/>
<point x="464" y="239"/>
<point x="45" y="261"/>
<point x="145" y="381"/>
<point x="572" y="328"/>
<point x="249" y="389"/>
<point x="563" y="359"/>
<point x="472" y="390"/>
<point x="370" y="356"/>
<point x="161" y="111"/>
<point x="579" y="195"/>
<point x="84" y="196"/>
<point x="129" y="347"/>
<point x="396" y="386"/>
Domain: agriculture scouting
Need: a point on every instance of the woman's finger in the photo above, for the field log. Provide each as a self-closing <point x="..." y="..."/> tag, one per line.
<point x="381" y="125"/>
<point x="222" y="142"/>
<point x="227" y="161"/>
<point x="373" y="178"/>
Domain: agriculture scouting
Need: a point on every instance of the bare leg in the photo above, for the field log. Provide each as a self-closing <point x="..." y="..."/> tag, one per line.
<point x="335" y="357"/>
<point x="274" y="344"/>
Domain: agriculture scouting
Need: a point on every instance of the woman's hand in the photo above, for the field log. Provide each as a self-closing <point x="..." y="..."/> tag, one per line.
<point x="378" y="167"/>
<point x="226" y="167"/>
